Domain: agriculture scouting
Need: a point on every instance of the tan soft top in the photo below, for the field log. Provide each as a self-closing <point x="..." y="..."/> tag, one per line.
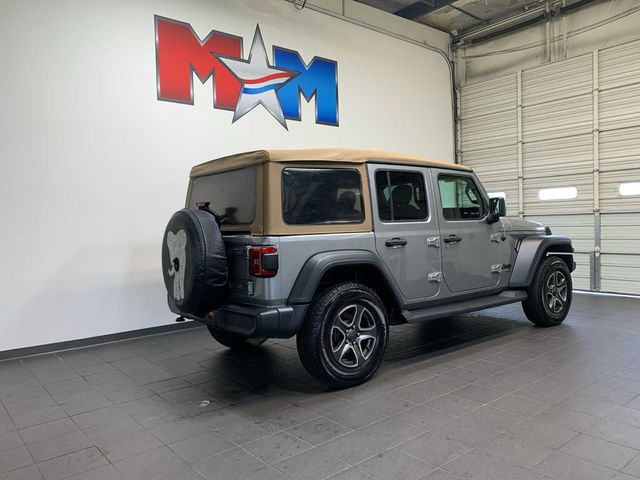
<point x="330" y="155"/>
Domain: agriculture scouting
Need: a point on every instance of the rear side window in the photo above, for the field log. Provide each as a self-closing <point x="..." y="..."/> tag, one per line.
<point x="460" y="198"/>
<point x="401" y="196"/>
<point x="232" y="195"/>
<point x="313" y="196"/>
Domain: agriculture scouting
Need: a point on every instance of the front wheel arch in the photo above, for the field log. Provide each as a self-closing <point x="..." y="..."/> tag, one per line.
<point x="532" y="251"/>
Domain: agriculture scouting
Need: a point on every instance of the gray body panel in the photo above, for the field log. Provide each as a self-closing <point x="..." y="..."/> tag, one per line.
<point x="467" y="264"/>
<point x="410" y="264"/>
<point x="293" y="251"/>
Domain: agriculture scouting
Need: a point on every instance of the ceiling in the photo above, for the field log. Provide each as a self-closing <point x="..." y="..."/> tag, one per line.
<point x="455" y="16"/>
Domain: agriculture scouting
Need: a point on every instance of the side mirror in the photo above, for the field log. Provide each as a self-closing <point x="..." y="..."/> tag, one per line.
<point x="498" y="206"/>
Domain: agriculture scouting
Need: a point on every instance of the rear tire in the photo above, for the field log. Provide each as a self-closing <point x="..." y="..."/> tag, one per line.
<point x="344" y="336"/>
<point x="234" y="341"/>
<point x="550" y="293"/>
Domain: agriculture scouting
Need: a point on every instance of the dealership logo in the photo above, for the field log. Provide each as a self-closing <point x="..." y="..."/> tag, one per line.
<point x="241" y="84"/>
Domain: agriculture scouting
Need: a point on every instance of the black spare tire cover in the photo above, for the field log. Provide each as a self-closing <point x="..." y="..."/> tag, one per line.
<point x="194" y="262"/>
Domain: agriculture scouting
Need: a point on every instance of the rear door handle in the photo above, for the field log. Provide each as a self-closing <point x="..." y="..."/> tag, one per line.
<point x="452" y="239"/>
<point x="396" y="242"/>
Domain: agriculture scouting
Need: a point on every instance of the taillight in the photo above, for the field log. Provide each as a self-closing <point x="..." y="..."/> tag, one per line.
<point x="263" y="261"/>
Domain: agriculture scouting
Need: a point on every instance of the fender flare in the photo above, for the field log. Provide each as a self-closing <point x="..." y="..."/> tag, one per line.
<point x="530" y="255"/>
<point x="315" y="267"/>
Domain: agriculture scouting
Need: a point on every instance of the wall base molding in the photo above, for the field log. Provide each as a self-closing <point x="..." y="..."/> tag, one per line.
<point x="93" y="341"/>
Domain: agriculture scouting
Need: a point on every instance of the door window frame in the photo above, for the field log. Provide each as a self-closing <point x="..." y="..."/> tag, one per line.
<point x="374" y="191"/>
<point x="485" y="203"/>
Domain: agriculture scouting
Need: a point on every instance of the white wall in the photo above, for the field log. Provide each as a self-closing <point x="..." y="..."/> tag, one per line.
<point x="93" y="165"/>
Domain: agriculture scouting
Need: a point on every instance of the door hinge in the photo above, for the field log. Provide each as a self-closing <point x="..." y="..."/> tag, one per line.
<point x="433" y="242"/>
<point x="435" y="277"/>
<point x="497" y="268"/>
<point x="496" y="237"/>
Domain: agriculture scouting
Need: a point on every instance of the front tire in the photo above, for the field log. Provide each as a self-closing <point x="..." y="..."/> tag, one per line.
<point x="234" y="341"/>
<point x="344" y="336"/>
<point x="550" y="293"/>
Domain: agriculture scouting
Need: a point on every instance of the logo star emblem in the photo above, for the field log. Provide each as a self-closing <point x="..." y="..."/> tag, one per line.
<point x="259" y="80"/>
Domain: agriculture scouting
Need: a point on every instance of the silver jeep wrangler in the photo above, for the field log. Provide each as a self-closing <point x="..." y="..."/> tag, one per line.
<point x="336" y="245"/>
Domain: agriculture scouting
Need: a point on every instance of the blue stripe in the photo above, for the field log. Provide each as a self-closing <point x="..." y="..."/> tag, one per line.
<point x="250" y="90"/>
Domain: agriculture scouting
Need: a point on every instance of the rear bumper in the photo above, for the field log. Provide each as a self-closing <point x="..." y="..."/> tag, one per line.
<point x="260" y="322"/>
<point x="282" y="321"/>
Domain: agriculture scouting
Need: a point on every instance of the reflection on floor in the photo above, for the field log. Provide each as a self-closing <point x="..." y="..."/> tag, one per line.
<point x="481" y="396"/>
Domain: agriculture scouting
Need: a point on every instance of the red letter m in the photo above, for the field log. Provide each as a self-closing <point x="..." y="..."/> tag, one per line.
<point x="179" y="52"/>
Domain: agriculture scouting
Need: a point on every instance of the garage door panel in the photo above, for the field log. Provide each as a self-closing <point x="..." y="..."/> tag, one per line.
<point x="620" y="273"/>
<point x="620" y="233"/>
<point x="579" y="228"/>
<point x="559" y="149"/>
<point x="492" y="96"/>
<point x="571" y="155"/>
<point x="581" y="276"/>
<point x="619" y="107"/>
<point x="489" y="131"/>
<point x="619" y="65"/>
<point x="499" y="163"/>
<point x="611" y="200"/>
<point x="561" y="118"/>
<point x="583" y="203"/>
<point x="557" y="80"/>
<point x="619" y="149"/>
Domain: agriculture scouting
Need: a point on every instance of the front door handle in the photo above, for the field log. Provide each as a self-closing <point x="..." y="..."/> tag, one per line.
<point x="452" y="239"/>
<point x="395" y="242"/>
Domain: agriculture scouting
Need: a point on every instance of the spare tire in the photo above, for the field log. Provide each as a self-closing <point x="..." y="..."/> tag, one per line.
<point x="194" y="262"/>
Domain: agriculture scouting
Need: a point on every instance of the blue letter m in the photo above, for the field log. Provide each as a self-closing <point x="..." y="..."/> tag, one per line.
<point x="319" y="78"/>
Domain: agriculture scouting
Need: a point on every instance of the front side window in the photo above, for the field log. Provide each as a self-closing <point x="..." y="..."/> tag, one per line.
<point x="315" y="196"/>
<point x="460" y="198"/>
<point x="401" y="196"/>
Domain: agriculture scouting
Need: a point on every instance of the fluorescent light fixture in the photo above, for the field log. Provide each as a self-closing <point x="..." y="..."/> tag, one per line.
<point x="560" y="193"/>
<point x="497" y="195"/>
<point x="629" y="189"/>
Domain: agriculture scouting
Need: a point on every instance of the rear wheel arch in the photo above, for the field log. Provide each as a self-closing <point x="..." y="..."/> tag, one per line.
<point x="362" y="266"/>
<point x="365" y="274"/>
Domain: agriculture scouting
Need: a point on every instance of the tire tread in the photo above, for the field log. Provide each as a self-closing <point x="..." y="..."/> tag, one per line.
<point x="533" y="306"/>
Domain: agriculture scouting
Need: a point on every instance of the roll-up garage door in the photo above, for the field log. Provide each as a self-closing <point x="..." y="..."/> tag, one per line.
<point x="562" y="143"/>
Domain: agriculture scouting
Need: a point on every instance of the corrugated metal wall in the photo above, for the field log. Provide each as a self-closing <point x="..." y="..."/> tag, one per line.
<point x="571" y="123"/>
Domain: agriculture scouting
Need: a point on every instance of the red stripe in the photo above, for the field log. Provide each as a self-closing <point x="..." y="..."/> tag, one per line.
<point x="268" y="77"/>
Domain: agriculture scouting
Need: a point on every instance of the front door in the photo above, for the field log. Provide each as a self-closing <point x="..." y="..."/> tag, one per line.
<point x="473" y="251"/>
<point x="404" y="226"/>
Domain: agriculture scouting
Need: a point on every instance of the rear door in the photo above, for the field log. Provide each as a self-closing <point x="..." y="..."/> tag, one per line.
<point x="404" y="224"/>
<point x="473" y="250"/>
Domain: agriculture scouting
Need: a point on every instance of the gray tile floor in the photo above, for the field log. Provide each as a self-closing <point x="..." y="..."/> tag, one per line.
<point x="483" y="396"/>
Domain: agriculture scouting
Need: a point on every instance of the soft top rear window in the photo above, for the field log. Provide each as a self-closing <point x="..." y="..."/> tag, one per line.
<point x="232" y="195"/>
<point x="312" y="196"/>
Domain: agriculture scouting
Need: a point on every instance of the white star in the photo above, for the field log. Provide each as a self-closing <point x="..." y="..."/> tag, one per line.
<point x="259" y="81"/>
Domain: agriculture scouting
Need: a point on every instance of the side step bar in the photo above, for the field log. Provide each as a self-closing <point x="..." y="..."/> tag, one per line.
<point x="456" y="308"/>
